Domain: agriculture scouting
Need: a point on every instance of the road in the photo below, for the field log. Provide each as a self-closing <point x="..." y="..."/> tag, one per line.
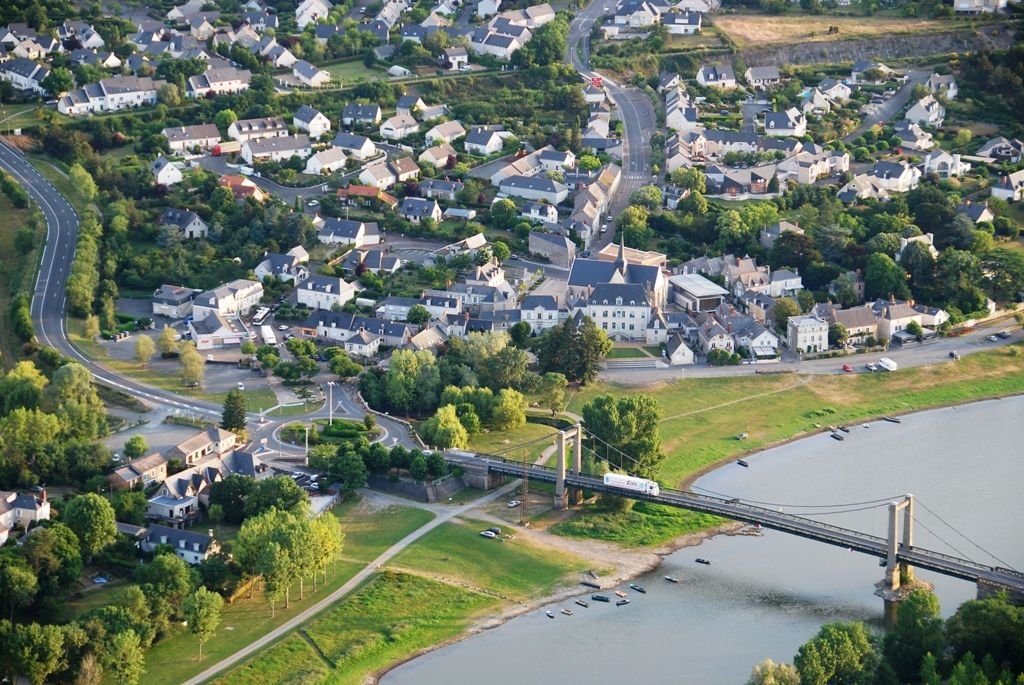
<point x="635" y="111"/>
<point x="372" y="568"/>
<point x="888" y="109"/>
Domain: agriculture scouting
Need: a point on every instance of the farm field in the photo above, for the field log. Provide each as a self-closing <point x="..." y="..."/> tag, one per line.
<point x="761" y="31"/>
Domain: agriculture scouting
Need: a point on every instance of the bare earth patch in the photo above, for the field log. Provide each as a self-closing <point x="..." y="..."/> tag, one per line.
<point x="759" y="31"/>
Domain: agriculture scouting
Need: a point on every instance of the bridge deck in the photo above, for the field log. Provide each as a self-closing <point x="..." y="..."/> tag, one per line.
<point x="768" y="518"/>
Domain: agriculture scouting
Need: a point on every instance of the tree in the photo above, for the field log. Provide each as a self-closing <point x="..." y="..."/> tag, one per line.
<point x="918" y="632"/>
<point x="342" y="365"/>
<point x="770" y="673"/>
<point x="230" y="494"/>
<point x="500" y="251"/>
<point x="18" y="584"/>
<point x="883" y="277"/>
<point x="418" y="315"/>
<point x="202" y="611"/>
<point x="192" y="365"/>
<point x="55" y="556"/>
<point x="805" y="298"/>
<point x="793" y="250"/>
<point x="839" y="653"/>
<point x="125" y="658"/>
<point x="92" y="519"/>
<point x="169" y="94"/>
<point x="351" y="469"/>
<point x="1004" y="275"/>
<point x="588" y="163"/>
<point x="692" y="179"/>
<point x="418" y="467"/>
<point x="144" y="349"/>
<point x="649" y="197"/>
<point x="280" y="492"/>
<point x="82" y="182"/>
<point x="992" y="626"/>
<point x="166" y="342"/>
<point x="135" y="447"/>
<point x="59" y="81"/>
<point x="167" y="578"/>
<point x="626" y="432"/>
<point x="785" y="307"/>
<point x="37" y="651"/>
<point x="22" y="387"/>
<point x="504" y="214"/>
<point x="574" y="351"/>
<point x="233" y="417"/>
<point x="92" y="327"/>
<point x="837" y="335"/>
<point x="445" y="430"/>
<point x="224" y="118"/>
<point x="520" y="334"/>
<point x="552" y="391"/>
<point x="509" y="411"/>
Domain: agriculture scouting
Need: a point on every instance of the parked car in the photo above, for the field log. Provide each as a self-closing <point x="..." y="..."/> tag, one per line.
<point x="992" y="338"/>
<point x="871" y="366"/>
<point x="954" y="355"/>
<point x="313" y="203"/>
<point x="1005" y="333"/>
<point x="241" y="385"/>
<point x="513" y="504"/>
<point x="283" y="327"/>
<point x="495" y="530"/>
<point x="488" y="534"/>
<point x="847" y="368"/>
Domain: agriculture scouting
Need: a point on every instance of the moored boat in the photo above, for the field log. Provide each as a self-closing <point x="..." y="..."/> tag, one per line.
<point x="599" y="598"/>
<point x="582" y="603"/>
<point x="620" y="593"/>
<point x="638" y="589"/>
<point x="844" y="429"/>
<point x="672" y="579"/>
<point x="703" y="561"/>
<point x="892" y="419"/>
<point x="837" y="436"/>
<point x="550" y="614"/>
<point x="622" y="602"/>
<point x="742" y="463"/>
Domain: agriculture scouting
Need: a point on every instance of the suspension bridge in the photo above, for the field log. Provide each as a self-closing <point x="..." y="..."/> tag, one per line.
<point x="897" y="551"/>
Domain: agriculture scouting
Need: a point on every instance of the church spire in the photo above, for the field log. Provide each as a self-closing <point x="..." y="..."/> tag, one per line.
<point x="620" y="262"/>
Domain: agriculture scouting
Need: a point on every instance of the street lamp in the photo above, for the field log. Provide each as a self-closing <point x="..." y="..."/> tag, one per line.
<point x="330" y="403"/>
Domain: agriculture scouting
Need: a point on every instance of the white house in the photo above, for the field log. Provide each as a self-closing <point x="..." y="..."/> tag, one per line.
<point x="942" y="84"/>
<point x="377" y="175"/>
<point x="1010" y="187"/>
<point x="312" y="121"/>
<point x="717" y="75"/>
<point x="188" y="223"/>
<point x="164" y="172"/>
<point x="255" y="129"/>
<point x="438" y="155"/>
<point x="181" y="138"/>
<point x="447" y="132"/>
<point x="193" y="548"/>
<point x="791" y="122"/>
<point x="276" y="149"/>
<point x="173" y="301"/>
<point x="310" y="74"/>
<point x="621" y="310"/>
<point x="218" y="81"/>
<point x="398" y="127"/>
<point x="944" y="165"/>
<point x="835" y="90"/>
<point x="360" y="114"/>
<point x="762" y="78"/>
<point x="311" y="11"/>
<point x="487" y="8"/>
<point x="483" y="141"/>
<point x="416" y="209"/>
<point x="535" y="188"/>
<point x="807" y="334"/>
<point x="290" y="267"/>
<point x="24" y="74"/>
<point x="111" y="94"/>
<point x="234" y="298"/>
<point x="346" y="232"/>
<point x="19" y="510"/>
<point x="358" y="147"/>
<point x="326" y="161"/>
<point x="680" y="113"/>
<point x="895" y="177"/>
<point x="927" y="111"/>
<point x="540" y="211"/>
<point x="324" y="292"/>
<point x="681" y="23"/>
<point x="677" y="351"/>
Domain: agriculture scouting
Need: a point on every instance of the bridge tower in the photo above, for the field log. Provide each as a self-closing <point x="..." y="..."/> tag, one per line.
<point x="898" y="573"/>
<point x="563" y="496"/>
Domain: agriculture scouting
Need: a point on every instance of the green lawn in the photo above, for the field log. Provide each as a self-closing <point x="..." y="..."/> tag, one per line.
<point x="56" y="173"/>
<point x="626" y="353"/>
<point x="350" y="72"/>
<point x="366" y="537"/>
<point x="17" y="272"/>
<point x="645" y="524"/>
<point x="702" y="416"/>
<point x="17" y="116"/>
<point x="390" y="618"/>
<point x="514" y="568"/>
<point x="499" y="442"/>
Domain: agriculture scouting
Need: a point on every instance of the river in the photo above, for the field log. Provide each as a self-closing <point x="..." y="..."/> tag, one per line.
<point x="763" y="596"/>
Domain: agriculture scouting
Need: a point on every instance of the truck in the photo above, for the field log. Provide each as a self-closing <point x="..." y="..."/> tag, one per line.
<point x="261" y="315"/>
<point x="226" y="148"/>
<point x="887" y="364"/>
<point x="627" y="482"/>
<point x="268" y="335"/>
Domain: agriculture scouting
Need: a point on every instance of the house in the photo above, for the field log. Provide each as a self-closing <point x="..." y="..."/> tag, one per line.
<point x="183" y="12"/>
<point x="718" y="75"/>
<point x="487" y="8"/>
<point x="290" y="267"/>
<point x="368" y="114"/>
<point x="807" y="333"/>
<point x="927" y="111"/>
<point x="358" y="147"/>
<point x="784" y="283"/>
<point x="447" y="132"/>
<point x="540" y="212"/>
<point x="487" y="42"/>
<point x="977" y="212"/>
<point x="21" y="510"/>
<point x="772" y="233"/>
<point x="482" y="141"/>
<point x="397" y="308"/>
<point x="835" y="90"/>
<point x="913" y="137"/>
<point x="681" y="23"/>
<point x="979" y="6"/>
<point x="999" y="150"/>
<point x="895" y="177"/>
<point x="417" y="209"/>
<point x="790" y="123"/>
<point x="534" y="188"/>
<point x="862" y="187"/>
<point x="164" y="172"/>
<point x="944" y="165"/>
<point x="187" y="223"/>
<point x="141" y="473"/>
<point x="860" y="322"/>
<point x="192" y="548"/>
<point x="695" y="293"/>
<point x="212" y="442"/>
<point x="173" y="301"/>
<point x="218" y="81"/>
<point x="680" y="113"/>
<point x="326" y="161"/>
<point x="257" y="129"/>
<point x="943" y="85"/>
<point x="363" y="344"/>
<point x="457" y="59"/>
<point x="1009" y="187"/>
<point x="101" y="60"/>
<point x="438" y="156"/>
<point x="558" y="249"/>
<point x="762" y="78"/>
<point x="276" y="149"/>
<point x="677" y="351"/>
<point x="324" y="292"/>
<point x="355" y="195"/>
<point x="324" y="32"/>
<point x="237" y="297"/>
<point x="24" y="74"/>
<point x="585" y="274"/>
<point x="636" y="14"/>
<point x="557" y="160"/>
<point x="443" y="189"/>
<point x="201" y="137"/>
<point x="110" y="94"/>
<point x="377" y="175"/>
<point x="341" y="326"/>
<point x="311" y="11"/>
<point x="346" y="232"/>
<point x="866" y="71"/>
<point x="410" y="104"/>
<point x="77" y="31"/>
<point x="815" y="102"/>
<point x="242" y="188"/>
<point x="310" y="75"/>
<point x="399" y="126"/>
<point x="895" y="315"/>
<point x="809" y="166"/>
<point x="312" y="121"/>
<point x="261" y="20"/>
<point x="375" y="261"/>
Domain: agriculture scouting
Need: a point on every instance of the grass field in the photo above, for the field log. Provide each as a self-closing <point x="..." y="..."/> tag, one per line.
<point x="17" y="272"/>
<point x="645" y="524"/>
<point x="762" y="31"/>
<point x="17" y="116"/>
<point x="498" y="442"/>
<point x="626" y="353"/>
<point x="366" y="533"/>
<point x="347" y="73"/>
<point x="55" y="173"/>
<point x="703" y="416"/>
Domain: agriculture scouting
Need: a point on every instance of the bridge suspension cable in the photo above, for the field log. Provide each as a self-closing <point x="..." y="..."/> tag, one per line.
<point x="882" y="500"/>
<point x="941" y="539"/>
<point x="950" y="526"/>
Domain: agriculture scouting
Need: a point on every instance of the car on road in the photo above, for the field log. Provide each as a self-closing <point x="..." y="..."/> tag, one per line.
<point x="241" y="385"/>
<point x="513" y="504"/>
<point x="283" y="327"/>
<point x="313" y="203"/>
<point x="604" y="228"/>
<point x="585" y="254"/>
<point x="871" y="366"/>
<point x="1005" y="333"/>
<point x="488" y="534"/>
<point x="513" y="256"/>
<point x="954" y="355"/>
<point x="847" y="368"/>
<point x="992" y="338"/>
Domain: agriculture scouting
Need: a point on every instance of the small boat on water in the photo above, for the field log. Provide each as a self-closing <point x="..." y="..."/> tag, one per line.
<point x="599" y="598"/>
<point x="638" y="589"/>
<point x="844" y="429"/>
<point x="620" y="593"/>
<point x="703" y="561"/>
<point x="622" y="602"/>
<point x="550" y="614"/>
<point x="837" y="436"/>
<point x="866" y="426"/>
<point x="742" y="463"/>
<point x="582" y="603"/>
<point x="587" y="583"/>
<point x="567" y="612"/>
<point x="892" y="419"/>
<point x="672" y="579"/>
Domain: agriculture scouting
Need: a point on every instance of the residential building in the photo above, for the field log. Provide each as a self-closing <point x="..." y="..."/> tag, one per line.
<point x="1009" y="187"/>
<point x="311" y="11"/>
<point x="346" y="232"/>
<point x="487" y="8"/>
<point x="457" y="59"/>
<point x="192" y="548"/>
<point x="695" y="293"/>
<point x="927" y="111"/>
<point x="681" y="23"/>
<point x="324" y="292"/>
<point x="173" y="301"/>
<point x="358" y="147"/>
<point x="110" y="94"/>
<point x="24" y="74"/>
<point x="202" y="137"/>
<point x="377" y="175"/>
<point x="912" y="136"/>
<point x="212" y="442"/>
<point x="772" y="233"/>
<point x="276" y="149"/>
<point x="762" y="78"/>
<point x="944" y="165"/>
<point x="409" y="104"/>
<point x="438" y="156"/>
<point x="943" y="85"/>
<point x="866" y="71"/>
<point x="558" y="249"/>
<point x="636" y="14"/>
<point x="21" y="510"/>
<point x="976" y="211"/>
<point x="894" y="316"/>
<point x="540" y="212"/>
<point x="448" y="132"/>
<point x="326" y="161"/>
<point x="718" y="75"/>
<point x="586" y="274"/>
<point x="979" y="6"/>
<point x="216" y="332"/>
<point x="784" y="283"/>
<point x="237" y="297"/>
<point x="257" y="129"/>
<point x="835" y="90"/>
<point x="397" y="308"/>
<point x="312" y="121"/>
<point x="815" y="102"/>
<point x="342" y="326"/>
<point x="999" y="150"/>
<point x="557" y="160"/>
<point x="444" y="190"/>
<point x="807" y="333"/>
<point x="680" y="113"/>
<point x="398" y="127"/>
<point x="418" y="209"/>
<point x="139" y="473"/>
<point x="541" y="312"/>
<point x="711" y="334"/>
<point x="310" y="75"/>
<point x="369" y="114"/>
<point x="290" y="267"/>
<point x="372" y="197"/>
<point x="218" y="81"/>
<point x="895" y="177"/>
<point x="482" y="141"/>
<point x="487" y="42"/>
<point x="622" y="310"/>
<point x="165" y="173"/>
<point x="186" y="222"/>
<point x="677" y="351"/>
<point x="376" y="260"/>
<point x="791" y="122"/>
<point x="242" y="188"/>
<point x="534" y="188"/>
<point x="808" y="166"/>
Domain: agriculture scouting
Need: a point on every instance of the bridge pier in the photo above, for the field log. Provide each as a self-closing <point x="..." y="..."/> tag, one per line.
<point x="576" y="494"/>
<point x="561" y="496"/>
<point x="899" y="575"/>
